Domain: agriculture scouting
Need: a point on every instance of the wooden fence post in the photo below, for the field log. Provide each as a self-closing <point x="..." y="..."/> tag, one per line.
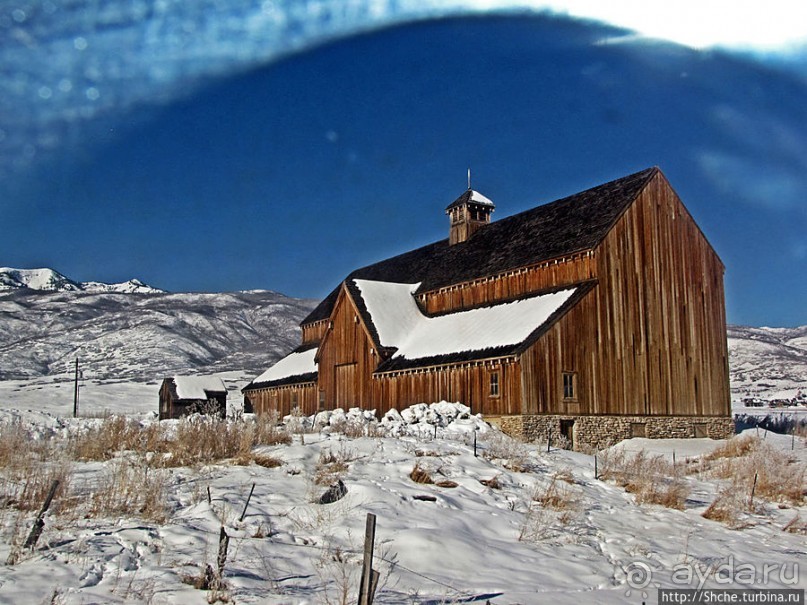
<point x="369" y="576"/>
<point x="753" y="489"/>
<point x="247" y="503"/>
<point x="39" y="524"/>
<point x="224" y="543"/>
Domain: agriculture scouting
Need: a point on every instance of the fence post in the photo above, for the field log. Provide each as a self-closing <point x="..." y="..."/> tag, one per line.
<point x="475" y="456"/>
<point x="753" y="489"/>
<point x="247" y="503"/>
<point x="224" y="543"/>
<point x="39" y="524"/>
<point x="596" y="473"/>
<point x="369" y="576"/>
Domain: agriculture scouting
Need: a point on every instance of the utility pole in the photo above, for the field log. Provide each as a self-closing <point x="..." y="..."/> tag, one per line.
<point x="75" y="394"/>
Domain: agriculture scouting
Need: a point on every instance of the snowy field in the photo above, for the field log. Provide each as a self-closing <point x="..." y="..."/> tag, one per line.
<point x="515" y="524"/>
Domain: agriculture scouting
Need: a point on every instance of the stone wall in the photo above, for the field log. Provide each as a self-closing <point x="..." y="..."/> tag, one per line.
<point x="598" y="432"/>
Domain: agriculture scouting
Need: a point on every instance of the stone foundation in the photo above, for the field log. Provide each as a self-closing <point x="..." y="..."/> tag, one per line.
<point x="598" y="432"/>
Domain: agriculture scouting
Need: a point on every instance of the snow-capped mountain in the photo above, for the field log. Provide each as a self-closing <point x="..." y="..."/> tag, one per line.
<point x="53" y="281"/>
<point x="124" y="337"/>
<point x="770" y="363"/>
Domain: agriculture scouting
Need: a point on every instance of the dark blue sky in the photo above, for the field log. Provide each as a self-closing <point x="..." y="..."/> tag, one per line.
<point x="289" y="175"/>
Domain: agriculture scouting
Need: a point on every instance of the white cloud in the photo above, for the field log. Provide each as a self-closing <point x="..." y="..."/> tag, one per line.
<point x="773" y="25"/>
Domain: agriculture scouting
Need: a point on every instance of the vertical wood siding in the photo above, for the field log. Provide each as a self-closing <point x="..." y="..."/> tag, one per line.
<point x="467" y="383"/>
<point x="508" y="286"/>
<point x="651" y="337"/>
<point x="283" y="399"/>
<point x="347" y="358"/>
<point x="313" y="332"/>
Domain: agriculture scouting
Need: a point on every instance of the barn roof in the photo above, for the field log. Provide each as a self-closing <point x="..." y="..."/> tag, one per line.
<point x="414" y="339"/>
<point x="296" y="367"/>
<point x="572" y="224"/>
<point x="471" y="197"/>
<point x="198" y="387"/>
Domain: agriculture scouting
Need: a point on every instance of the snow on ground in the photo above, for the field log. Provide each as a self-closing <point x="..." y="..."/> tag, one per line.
<point x="474" y="542"/>
<point x="54" y="394"/>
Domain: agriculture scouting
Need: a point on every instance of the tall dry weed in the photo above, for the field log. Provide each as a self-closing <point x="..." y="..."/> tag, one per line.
<point x="651" y="479"/>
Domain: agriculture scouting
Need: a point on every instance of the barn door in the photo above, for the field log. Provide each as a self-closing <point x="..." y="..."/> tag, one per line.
<point x="346" y="386"/>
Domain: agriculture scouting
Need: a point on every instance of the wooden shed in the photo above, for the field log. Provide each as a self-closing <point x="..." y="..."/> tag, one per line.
<point x="182" y="395"/>
<point x="594" y="318"/>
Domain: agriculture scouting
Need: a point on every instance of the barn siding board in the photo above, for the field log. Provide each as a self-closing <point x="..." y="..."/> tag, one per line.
<point x="284" y="399"/>
<point x="508" y="286"/>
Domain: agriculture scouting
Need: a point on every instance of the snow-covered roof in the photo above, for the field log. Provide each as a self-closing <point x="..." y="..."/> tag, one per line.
<point x="197" y="387"/>
<point x="293" y="364"/>
<point x="400" y="323"/>
<point x="479" y="198"/>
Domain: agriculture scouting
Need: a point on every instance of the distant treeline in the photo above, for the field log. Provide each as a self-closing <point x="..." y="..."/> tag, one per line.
<point x="783" y="422"/>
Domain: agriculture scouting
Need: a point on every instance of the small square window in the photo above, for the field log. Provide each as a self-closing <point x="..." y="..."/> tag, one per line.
<point x="638" y="429"/>
<point x="494" y="384"/>
<point x="570" y="385"/>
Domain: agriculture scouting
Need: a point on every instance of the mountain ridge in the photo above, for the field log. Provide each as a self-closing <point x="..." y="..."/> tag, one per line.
<point x="50" y="280"/>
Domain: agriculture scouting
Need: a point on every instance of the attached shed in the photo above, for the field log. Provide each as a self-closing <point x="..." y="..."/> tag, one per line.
<point x="182" y="395"/>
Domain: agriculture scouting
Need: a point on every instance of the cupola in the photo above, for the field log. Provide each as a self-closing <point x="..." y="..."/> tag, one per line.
<point x="468" y="213"/>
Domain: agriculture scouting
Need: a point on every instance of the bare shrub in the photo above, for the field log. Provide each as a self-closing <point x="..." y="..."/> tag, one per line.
<point x="512" y="454"/>
<point x="651" y="479"/>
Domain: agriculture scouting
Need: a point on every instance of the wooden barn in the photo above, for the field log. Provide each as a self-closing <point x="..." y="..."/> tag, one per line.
<point x="182" y="395"/>
<point x="594" y="318"/>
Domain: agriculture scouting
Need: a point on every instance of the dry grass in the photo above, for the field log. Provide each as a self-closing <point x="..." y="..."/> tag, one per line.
<point x="420" y="475"/>
<point x="780" y="476"/>
<point x="747" y="464"/>
<point x="267" y="461"/>
<point x="651" y="479"/>
<point x="130" y="487"/>
<point x="492" y="483"/>
<point x="332" y="466"/>
<point x="553" y="508"/>
<point x="116" y="434"/>
<point x="513" y="455"/>
<point x="796" y="526"/>
<point x="268" y="430"/>
<point x="737" y="446"/>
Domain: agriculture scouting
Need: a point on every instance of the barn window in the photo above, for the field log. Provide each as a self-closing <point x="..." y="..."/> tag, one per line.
<point x="322" y="400"/>
<point x="570" y="385"/>
<point x="293" y="399"/>
<point x="494" y="384"/>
